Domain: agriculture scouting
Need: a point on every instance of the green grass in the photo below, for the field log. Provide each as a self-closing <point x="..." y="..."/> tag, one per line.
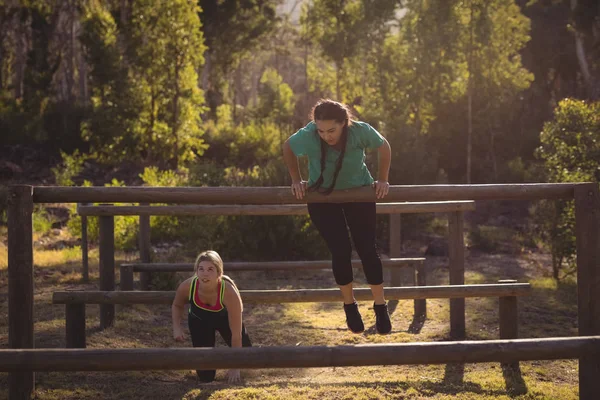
<point x="550" y="311"/>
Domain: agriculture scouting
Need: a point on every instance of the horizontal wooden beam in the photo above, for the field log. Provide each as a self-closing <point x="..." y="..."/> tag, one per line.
<point x="268" y="265"/>
<point x="297" y="356"/>
<point x="300" y="295"/>
<point x="272" y="209"/>
<point x="283" y="195"/>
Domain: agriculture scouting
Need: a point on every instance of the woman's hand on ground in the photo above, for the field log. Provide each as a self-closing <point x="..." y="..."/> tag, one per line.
<point x="233" y="376"/>
<point x="178" y="334"/>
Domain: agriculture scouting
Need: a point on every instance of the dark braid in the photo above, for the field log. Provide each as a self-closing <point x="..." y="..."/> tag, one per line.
<point x="331" y="110"/>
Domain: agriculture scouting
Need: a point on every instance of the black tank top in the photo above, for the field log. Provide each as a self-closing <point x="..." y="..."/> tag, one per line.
<point x="204" y="311"/>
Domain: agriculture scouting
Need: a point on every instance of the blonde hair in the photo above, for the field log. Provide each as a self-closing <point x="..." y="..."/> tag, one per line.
<point x="213" y="257"/>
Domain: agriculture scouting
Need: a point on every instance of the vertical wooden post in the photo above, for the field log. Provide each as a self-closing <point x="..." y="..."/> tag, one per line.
<point x="75" y="325"/>
<point x="421" y="304"/>
<point x="456" y="253"/>
<point x="587" y="224"/>
<point x="395" y="248"/>
<point x="509" y="319"/>
<point x="107" y="267"/>
<point x="401" y="276"/>
<point x="144" y="243"/>
<point x="126" y="277"/>
<point x="20" y="285"/>
<point x="84" y="248"/>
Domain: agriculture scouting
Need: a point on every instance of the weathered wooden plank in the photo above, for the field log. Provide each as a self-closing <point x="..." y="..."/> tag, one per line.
<point x="300" y="295"/>
<point x="283" y="195"/>
<point x="297" y="356"/>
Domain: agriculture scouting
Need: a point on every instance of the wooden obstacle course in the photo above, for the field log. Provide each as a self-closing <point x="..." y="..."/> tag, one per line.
<point x="75" y="314"/>
<point x="416" y="277"/>
<point x="587" y="212"/>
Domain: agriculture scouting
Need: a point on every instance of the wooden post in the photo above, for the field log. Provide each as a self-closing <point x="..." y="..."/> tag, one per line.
<point x="421" y="304"/>
<point x="401" y="276"/>
<point x="75" y="325"/>
<point x="107" y="267"/>
<point x="509" y="319"/>
<point x="587" y="223"/>
<point x="395" y="246"/>
<point x="20" y="284"/>
<point x="145" y="249"/>
<point x="126" y="277"/>
<point x="456" y="253"/>
<point x="84" y="248"/>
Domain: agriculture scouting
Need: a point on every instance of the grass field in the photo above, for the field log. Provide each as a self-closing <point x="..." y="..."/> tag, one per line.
<point x="551" y="310"/>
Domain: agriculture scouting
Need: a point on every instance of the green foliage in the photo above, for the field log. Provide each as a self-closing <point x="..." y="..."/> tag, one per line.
<point x="497" y="239"/>
<point x="126" y="227"/>
<point x="232" y="31"/>
<point x="71" y="166"/>
<point x="570" y="151"/>
<point x="242" y="145"/>
<point x="146" y="100"/>
<point x="42" y="221"/>
<point x="276" y="99"/>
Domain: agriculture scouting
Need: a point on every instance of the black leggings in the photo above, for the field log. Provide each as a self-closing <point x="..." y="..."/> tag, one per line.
<point x="332" y="220"/>
<point x="203" y="335"/>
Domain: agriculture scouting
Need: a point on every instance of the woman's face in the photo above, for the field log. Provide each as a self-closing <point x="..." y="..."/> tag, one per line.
<point x="207" y="274"/>
<point x="329" y="130"/>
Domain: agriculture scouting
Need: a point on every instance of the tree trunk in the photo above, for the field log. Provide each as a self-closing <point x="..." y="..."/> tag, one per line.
<point x="70" y="73"/>
<point x="470" y="99"/>
<point x="591" y="83"/>
<point x="21" y="48"/>
<point x="493" y="151"/>
<point x="123" y="17"/>
<point x="176" y="117"/>
<point x="206" y="71"/>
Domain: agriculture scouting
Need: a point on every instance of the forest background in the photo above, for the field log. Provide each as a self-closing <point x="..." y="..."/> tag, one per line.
<point x="186" y="93"/>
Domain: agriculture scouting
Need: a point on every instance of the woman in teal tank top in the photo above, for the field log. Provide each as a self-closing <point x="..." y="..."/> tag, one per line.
<point x="215" y="305"/>
<point x="335" y="145"/>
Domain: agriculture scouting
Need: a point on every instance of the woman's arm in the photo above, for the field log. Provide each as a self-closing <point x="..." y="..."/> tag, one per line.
<point x="233" y="302"/>
<point x="291" y="161"/>
<point x="382" y="185"/>
<point x="178" y="307"/>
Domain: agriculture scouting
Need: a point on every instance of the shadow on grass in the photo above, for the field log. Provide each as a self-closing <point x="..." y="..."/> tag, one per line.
<point x="397" y="387"/>
<point x="515" y="384"/>
<point x="454" y="375"/>
<point x="163" y="385"/>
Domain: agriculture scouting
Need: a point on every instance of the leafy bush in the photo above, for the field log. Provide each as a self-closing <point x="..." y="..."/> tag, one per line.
<point x="42" y="221"/>
<point x="570" y="151"/>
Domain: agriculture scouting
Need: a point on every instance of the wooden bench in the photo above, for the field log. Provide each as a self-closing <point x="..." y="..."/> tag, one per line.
<point x="507" y="291"/>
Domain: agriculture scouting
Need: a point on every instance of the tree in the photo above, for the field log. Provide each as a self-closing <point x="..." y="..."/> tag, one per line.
<point x="148" y="108"/>
<point x="570" y="152"/>
<point x="586" y="31"/>
<point x="232" y="29"/>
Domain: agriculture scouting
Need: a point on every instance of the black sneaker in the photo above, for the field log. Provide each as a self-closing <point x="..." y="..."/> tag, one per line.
<point x="382" y="319"/>
<point x="353" y="318"/>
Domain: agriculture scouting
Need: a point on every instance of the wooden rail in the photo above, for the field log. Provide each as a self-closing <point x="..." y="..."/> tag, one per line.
<point x="301" y="295"/>
<point x="275" y="209"/>
<point x="75" y="301"/>
<point x="283" y="195"/>
<point x="297" y="356"/>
